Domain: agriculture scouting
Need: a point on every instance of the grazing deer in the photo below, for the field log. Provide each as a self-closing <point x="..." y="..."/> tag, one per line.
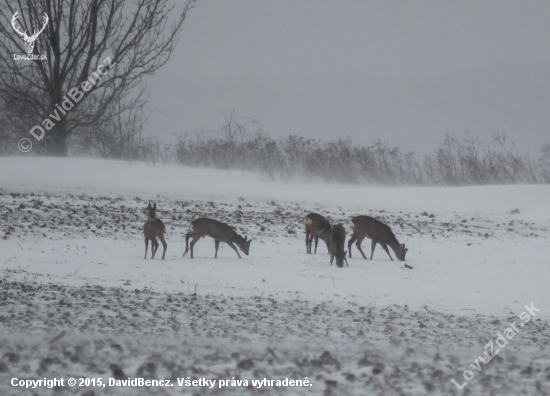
<point x="221" y="232"/>
<point x="366" y="226"/>
<point x="153" y="229"/>
<point x="316" y="227"/>
<point x="337" y="240"/>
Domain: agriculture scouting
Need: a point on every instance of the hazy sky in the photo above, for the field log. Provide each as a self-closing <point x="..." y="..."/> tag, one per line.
<point x="406" y="72"/>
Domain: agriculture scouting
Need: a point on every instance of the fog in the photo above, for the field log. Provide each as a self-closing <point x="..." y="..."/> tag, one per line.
<point x="407" y="73"/>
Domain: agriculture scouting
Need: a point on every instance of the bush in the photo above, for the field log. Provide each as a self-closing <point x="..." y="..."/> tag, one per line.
<point x="455" y="162"/>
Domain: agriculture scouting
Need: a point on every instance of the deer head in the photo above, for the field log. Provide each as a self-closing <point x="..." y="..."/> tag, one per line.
<point x="244" y="244"/>
<point x="151" y="212"/>
<point x="29" y="40"/>
<point x="401" y="252"/>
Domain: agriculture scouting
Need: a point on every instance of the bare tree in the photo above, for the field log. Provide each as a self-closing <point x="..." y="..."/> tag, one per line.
<point x="13" y="118"/>
<point x="7" y="141"/>
<point x="119" y="138"/>
<point x="97" y="53"/>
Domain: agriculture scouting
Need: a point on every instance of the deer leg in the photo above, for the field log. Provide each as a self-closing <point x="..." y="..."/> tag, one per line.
<point x="164" y="245"/>
<point x="157" y="245"/>
<point x="350" y="242"/>
<point x="154" y="244"/>
<point x="187" y="236"/>
<point x="234" y="247"/>
<point x="331" y="258"/>
<point x="216" y="245"/>
<point x="372" y="246"/>
<point x="308" y="245"/>
<point x="358" y="244"/>
<point x="387" y="251"/>
<point x="195" y="240"/>
<point x="346" y="260"/>
<point x="327" y="241"/>
<point x="146" y="246"/>
<point x="310" y="241"/>
<point x="316" y="243"/>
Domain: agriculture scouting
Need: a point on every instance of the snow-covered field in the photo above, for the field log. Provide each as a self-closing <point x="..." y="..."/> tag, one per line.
<point x="78" y="299"/>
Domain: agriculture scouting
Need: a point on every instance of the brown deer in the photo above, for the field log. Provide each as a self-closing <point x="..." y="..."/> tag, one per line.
<point x="316" y="227"/>
<point x="221" y="232"/>
<point x="337" y="240"/>
<point x="152" y="229"/>
<point x="378" y="232"/>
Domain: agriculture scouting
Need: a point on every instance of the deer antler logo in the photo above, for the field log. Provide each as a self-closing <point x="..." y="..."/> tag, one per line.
<point x="29" y="40"/>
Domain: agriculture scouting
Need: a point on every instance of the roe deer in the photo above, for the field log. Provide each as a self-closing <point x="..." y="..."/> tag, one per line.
<point x="337" y="240"/>
<point x="366" y="226"/>
<point x="221" y="232"/>
<point x="153" y="229"/>
<point x="316" y="227"/>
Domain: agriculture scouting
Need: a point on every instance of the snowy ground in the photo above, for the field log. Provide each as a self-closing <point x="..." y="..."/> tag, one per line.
<point x="78" y="299"/>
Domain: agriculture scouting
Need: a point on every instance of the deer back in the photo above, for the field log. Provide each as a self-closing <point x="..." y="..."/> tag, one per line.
<point x="213" y="228"/>
<point x="337" y="244"/>
<point x="337" y="239"/>
<point x="369" y="227"/>
<point x="220" y="231"/>
<point x="317" y="225"/>
<point x="366" y="226"/>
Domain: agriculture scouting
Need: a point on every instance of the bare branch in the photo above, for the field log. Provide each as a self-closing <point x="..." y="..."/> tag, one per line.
<point x="78" y="37"/>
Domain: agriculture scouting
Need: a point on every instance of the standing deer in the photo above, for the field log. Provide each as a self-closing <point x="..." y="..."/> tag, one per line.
<point x="153" y="229"/>
<point x="316" y="227"/>
<point x="221" y="232"/>
<point x="378" y="232"/>
<point x="337" y="240"/>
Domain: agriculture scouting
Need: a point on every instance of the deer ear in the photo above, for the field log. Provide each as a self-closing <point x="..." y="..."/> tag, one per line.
<point x="155" y="205"/>
<point x="149" y="205"/>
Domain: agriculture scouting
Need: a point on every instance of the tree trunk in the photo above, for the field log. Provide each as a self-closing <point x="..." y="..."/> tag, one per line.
<point x="57" y="141"/>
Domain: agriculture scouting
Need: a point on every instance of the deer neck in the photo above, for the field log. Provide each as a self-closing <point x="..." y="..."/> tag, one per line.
<point x="394" y="244"/>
